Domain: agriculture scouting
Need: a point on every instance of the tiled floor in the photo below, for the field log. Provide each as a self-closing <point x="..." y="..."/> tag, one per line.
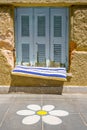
<point x="43" y="112"/>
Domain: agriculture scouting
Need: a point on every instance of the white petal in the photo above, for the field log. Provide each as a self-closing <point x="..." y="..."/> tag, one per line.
<point x="31" y="120"/>
<point x="34" y="107"/>
<point x="59" y="113"/>
<point x="51" y="120"/>
<point x="48" y="107"/>
<point x="25" y="112"/>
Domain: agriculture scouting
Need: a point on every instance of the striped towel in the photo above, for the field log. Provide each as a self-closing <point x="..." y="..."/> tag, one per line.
<point x="59" y="72"/>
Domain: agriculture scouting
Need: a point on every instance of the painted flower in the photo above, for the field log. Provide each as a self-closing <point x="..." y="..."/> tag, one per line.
<point x="47" y="113"/>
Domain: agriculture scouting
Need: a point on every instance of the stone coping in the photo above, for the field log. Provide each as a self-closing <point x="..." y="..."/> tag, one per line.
<point x="44" y="90"/>
<point x="61" y="2"/>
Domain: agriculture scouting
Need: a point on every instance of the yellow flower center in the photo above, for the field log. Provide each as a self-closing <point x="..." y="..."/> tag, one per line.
<point x="42" y="112"/>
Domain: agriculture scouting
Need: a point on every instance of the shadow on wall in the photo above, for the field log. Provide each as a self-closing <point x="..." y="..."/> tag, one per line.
<point x="35" y="85"/>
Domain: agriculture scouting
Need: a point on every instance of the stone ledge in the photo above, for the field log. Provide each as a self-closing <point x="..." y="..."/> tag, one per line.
<point x="4" y="89"/>
<point x="75" y="89"/>
<point x="69" y="75"/>
<point x="45" y="90"/>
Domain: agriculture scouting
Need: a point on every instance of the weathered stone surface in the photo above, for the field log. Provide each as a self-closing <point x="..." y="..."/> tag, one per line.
<point x="78" y="46"/>
<point x="78" y="69"/>
<point x="6" y="44"/>
<point x="79" y="27"/>
<point x="9" y="57"/>
<point x="39" y="1"/>
<point x="6" y="22"/>
<point x="5" y="70"/>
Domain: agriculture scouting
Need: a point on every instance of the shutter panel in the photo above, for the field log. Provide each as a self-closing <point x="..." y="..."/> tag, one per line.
<point x="25" y="52"/>
<point x="41" y="26"/>
<point x="24" y="25"/>
<point x="57" y="53"/>
<point x="41" y="53"/>
<point x="57" y="26"/>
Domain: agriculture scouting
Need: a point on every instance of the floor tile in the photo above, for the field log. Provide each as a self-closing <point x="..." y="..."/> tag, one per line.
<point x="13" y="121"/>
<point x="71" y="122"/>
<point x="52" y="112"/>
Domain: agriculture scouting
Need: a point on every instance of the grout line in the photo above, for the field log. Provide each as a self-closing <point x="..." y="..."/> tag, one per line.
<point x="4" y="117"/>
<point x="7" y="111"/>
<point x="42" y="126"/>
<point x="83" y="119"/>
<point x="41" y="100"/>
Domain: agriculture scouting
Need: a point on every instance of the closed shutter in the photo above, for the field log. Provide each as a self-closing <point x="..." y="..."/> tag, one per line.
<point x="57" y="26"/>
<point x="57" y="53"/>
<point x="24" y="25"/>
<point x="41" y="26"/>
<point x="25" y="52"/>
<point x="41" y="53"/>
<point x="42" y="35"/>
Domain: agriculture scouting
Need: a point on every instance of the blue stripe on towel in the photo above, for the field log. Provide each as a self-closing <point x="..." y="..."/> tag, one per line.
<point x="42" y="71"/>
<point x="41" y="74"/>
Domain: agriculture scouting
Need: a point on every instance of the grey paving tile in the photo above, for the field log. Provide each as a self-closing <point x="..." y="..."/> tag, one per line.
<point x="13" y="121"/>
<point x="14" y="124"/>
<point x="4" y="98"/>
<point x="71" y="122"/>
<point x="69" y="97"/>
<point x="82" y="106"/>
<point x="27" y="97"/>
<point x="3" y="110"/>
<point x="84" y="117"/>
<point x="75" y="105"/>
<point x="69" y="106"/>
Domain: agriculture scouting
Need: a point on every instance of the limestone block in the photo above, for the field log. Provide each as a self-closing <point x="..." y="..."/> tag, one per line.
<point x="9" y="57"/>
<point x="5" y="70"/>
<point x="79" y="27"/>
<point x="6" y="44"/>
<point x="78" y="69"/>
<point x="17" y="1"/>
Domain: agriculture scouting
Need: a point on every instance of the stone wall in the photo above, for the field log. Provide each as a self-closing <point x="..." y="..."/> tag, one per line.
<point x="6" y="44"/>
<point x="78" y="46"/>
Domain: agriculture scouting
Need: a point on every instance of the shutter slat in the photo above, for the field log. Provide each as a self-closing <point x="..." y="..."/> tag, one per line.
<point x="57" y="53"/>
<point x="41" y="26"/>
<point x="25" y="25"/>
<point x="57" y="26"/>
<point x="25" y="52"/>
<point x="41" y="53"/>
